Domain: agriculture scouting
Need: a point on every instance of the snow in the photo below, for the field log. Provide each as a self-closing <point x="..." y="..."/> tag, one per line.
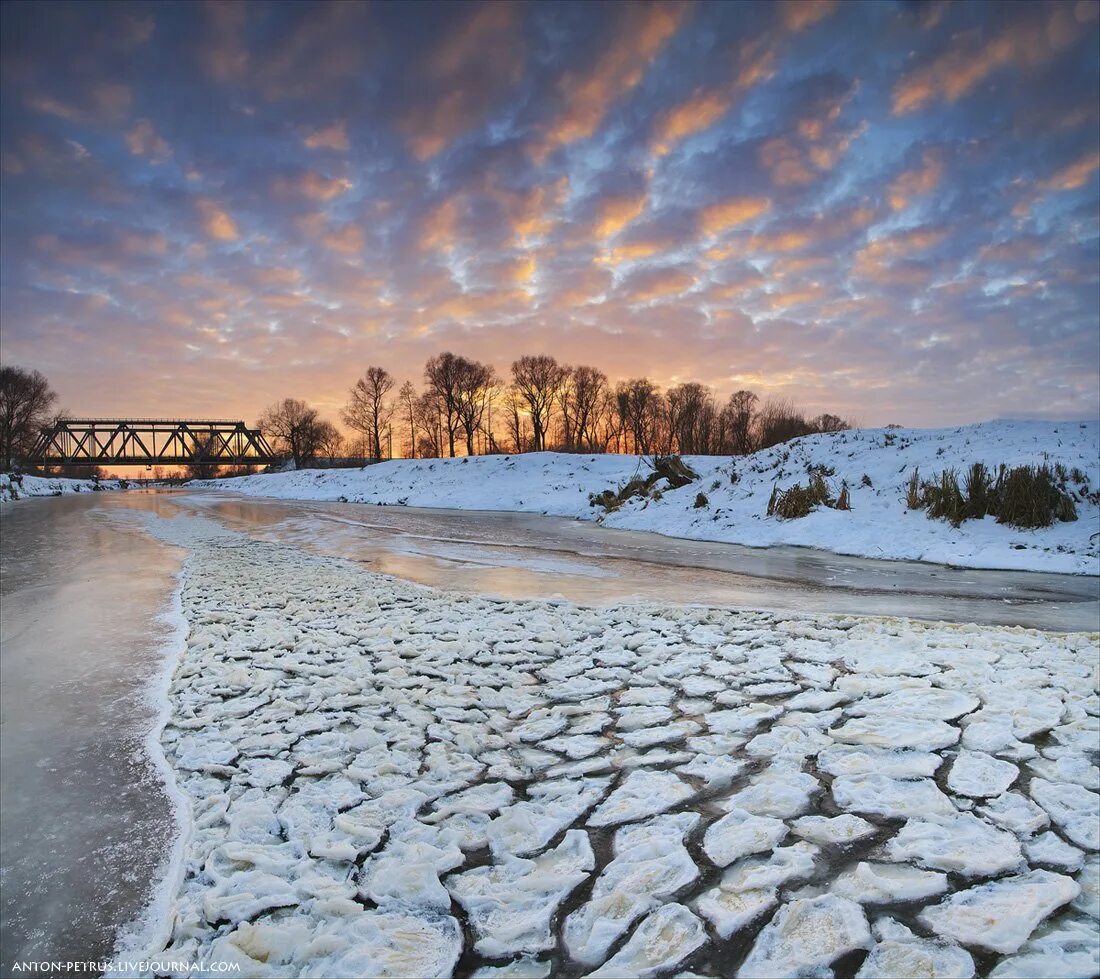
<point x="878" y="524"/>
<point x="384" y="778"/>
<point x="17" y="487"/>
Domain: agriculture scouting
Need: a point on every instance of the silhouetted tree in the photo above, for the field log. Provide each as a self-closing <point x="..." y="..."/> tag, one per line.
<point x="25" y="403"/>
<point x="538" y="379"/>
<point x="406" y="397"/>
<point x="367" y="410"/>
<point x="443" y="374"/>
<point x="738" y="422"/>
<point x="293" y="428"/>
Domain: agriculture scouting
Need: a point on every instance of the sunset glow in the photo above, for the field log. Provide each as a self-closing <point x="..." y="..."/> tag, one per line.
<point x="887" y="211"/>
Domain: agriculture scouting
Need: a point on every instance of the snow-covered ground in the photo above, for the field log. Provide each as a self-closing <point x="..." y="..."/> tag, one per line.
<point x="388" y="780"/>
<point x="18" y="487"/>
<point x="878" y="525"/>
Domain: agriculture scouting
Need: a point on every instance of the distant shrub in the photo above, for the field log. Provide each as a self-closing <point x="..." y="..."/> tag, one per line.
<point x="671" y="468"/>
<point x="843" y="501"/>
<point x="701" y="501"/>
<point x="912" y="491"/>
<point x="866" y="481"/>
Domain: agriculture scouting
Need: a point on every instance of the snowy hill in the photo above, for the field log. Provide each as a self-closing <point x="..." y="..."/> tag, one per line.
<point x="878" y="524"/>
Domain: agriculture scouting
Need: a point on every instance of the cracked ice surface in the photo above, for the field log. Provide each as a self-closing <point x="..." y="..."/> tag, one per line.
<point x="391" y="781"/>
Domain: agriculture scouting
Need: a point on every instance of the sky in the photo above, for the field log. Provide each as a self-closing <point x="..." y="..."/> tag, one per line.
<point x="884" y="210"/>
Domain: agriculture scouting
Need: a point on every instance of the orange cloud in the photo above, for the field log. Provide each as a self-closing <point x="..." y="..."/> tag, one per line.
<point x="642" y="33"/>
<point x="439" y="227"/>
<point x="223" y="53"/>
<point x="332" y="137"/>
<point x="800" y="14"/>
<point x="1075" y="174"/>
<point x="616" y="213"/>
<point x="657" y="284"/>
<point x="313" y="186"/>
<point x="143" y="140"/>
<point x="532" y="217"/>
<point x="347" y="239"/>
<point x="917" y="182"/>
<point x="216" y="223"/>
<point x="716" y="218"/>
<point x="785" y="163"/>
<point x="698" y="113"/>
<point x="471" y="69"/>
<point x="971" y="59"/>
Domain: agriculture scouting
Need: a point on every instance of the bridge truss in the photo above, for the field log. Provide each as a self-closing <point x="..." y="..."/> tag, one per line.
<point x="149" y="442"/>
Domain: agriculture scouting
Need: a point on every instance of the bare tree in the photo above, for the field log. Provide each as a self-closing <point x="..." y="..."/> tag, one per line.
<point x="442" y="374"/>
<point x="587" y="389"/>
<point x="829" y="423"/>
<point x="779" y="421"/>
<point x="638" y="403"/>
<point x="202" y="466"/>
<point x="293" y="427"/>
<point x="330" y="441"/>
<point x="429" y="421"/>
<point x="691" y="418"/>
<point x="473" y="388"/>
<point x="25" y="402"/>
<point x="406" y="397"/>
<point x="537" y="380"/>
<point x="367" y="410"/>
<point x="739" y="421"/>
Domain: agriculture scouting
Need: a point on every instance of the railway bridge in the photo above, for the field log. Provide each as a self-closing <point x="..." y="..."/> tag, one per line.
<point x="149" y="442"/>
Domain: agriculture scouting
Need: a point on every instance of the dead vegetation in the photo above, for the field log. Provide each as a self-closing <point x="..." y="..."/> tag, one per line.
<point x="1023" y="496"/>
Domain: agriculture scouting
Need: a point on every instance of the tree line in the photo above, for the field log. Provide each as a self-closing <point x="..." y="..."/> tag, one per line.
<point x="465" y="407"/>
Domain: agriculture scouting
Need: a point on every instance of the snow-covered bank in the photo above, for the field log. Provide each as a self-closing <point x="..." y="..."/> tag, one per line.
<point x="737" y="492"/>
<point x="18" y="487"/>
<point x="390" y="781"/>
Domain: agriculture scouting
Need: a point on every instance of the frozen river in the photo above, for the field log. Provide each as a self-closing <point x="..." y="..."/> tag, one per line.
<point x="87" y="824"/>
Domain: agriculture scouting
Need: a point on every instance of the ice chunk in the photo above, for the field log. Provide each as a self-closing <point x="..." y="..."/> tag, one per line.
<point x="782" y="791"/>
<point x="1072" y="807"/>
<point x="883" y="883"/>
<point x="979" y="775"/>
<point x="525" y="967"/>
<point x="510" y="904"/>
<point x="730" y="911"/>
<point x="927" y="702"/>
<point x="527" y="827"/>
<point x="962" y="844"/>
<point x="1015" y="813"/>
<point x="661" y="942"/>
<point x="741" y="720"/>
<point x="881" y="795"/>
<point x="651" y="864"/>
<point x="1089" y="880"/>
<point x="889" y="731"/>
<point x="389" y="944"/>
<point x="1066" y="949"/>
<point x="740" y="834"/>
<point x="641" y="793"/>
<point x="850" y="759"/>
<point x="1001" y="915"/>
<point x="832" y="829"/>
<point x="917" y="957"/>
<point x="805" y="936"/>
<point x="1051" y="849"/>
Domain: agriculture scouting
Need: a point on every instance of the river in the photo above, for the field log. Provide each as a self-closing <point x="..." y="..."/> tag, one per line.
<point x="88" y="824"/>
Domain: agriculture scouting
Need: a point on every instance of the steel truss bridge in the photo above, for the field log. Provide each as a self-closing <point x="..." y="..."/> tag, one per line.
<point x="149" y="442"/>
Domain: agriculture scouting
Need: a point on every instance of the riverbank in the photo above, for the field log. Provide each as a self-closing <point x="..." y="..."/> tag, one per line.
<point x="389" y="780"/>
<point x="18" y="487"/>
<point x="728" y="502"/>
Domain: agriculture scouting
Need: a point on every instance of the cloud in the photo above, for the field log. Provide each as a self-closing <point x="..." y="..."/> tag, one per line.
<point x="800" y="14"/>
<point x="917" y="182"/>
<point x="695" y="115"/>
<point x="144" y="140"/>
<point x="1074" y="175"/>
<point x="640" y="34"/>
<point x="215" y="222"/>
<point x="331" y="137"/>
<point x="310" y="185"/>
<point x="731" y="213"/>
<point x="973" y="56"/>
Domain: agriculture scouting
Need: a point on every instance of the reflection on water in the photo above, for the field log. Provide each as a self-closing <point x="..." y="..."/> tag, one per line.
<point x="513" y="555"/>
<point x="86" y="823"/>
